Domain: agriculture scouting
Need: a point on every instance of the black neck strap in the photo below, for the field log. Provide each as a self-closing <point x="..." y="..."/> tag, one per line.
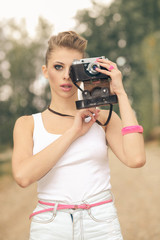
<point x="109" y="117"/>
<point x="60" y="114"/>
<point x="66" y="115"/>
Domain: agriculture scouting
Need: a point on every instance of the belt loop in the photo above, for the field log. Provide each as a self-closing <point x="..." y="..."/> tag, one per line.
<point x="88" y="209"/>
<point x="55" y="209"/>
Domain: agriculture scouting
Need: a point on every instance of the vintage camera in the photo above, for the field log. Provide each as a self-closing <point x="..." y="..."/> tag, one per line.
<point x="94" y="86"/>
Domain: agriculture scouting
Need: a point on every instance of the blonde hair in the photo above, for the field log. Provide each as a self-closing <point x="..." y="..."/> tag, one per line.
<point x="68" y="39"/>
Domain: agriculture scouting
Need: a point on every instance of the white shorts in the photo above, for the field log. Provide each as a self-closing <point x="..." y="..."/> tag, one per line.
<point x="97" y="223"/>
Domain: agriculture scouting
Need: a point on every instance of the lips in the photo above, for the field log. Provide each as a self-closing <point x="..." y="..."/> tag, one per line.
<point x="66" y="87"/>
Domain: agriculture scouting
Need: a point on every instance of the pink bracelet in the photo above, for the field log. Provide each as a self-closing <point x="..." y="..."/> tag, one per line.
<point x="132" y="129"/>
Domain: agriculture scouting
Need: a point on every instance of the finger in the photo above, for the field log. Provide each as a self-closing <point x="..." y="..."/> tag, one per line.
<point x="87" y="113"/>
<point x="92" y="114"/>
<point x="93" y="110"/>
<point x="106" y="72"/>
<point x="95" y="113"/>
<point x="107" y="66"/>
<point x="106" y="61"/>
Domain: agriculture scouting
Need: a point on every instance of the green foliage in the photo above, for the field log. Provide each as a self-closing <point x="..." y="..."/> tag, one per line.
<point x="21" y="59"/>
<point x="120" y="32"/>
<point x="126" y="32"/>
<point x="150" y="49"/>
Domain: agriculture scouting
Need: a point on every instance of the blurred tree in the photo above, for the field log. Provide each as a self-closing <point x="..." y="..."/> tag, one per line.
<point x="21" y="82"/>
<point x="151" y="54"/>
<point x="117" y="31"/>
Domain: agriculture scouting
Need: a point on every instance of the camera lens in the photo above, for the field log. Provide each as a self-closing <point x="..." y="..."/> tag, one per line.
<point x="96" y="92"/>
<point x="92" y="68"/>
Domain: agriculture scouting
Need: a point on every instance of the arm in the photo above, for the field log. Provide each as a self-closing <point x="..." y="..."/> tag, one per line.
<point x="130" y="147"/>
<point x="28" y="168"/>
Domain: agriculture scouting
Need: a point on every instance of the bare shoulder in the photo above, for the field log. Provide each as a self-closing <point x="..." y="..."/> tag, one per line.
<point x="23" y="137"/>
<point x="24" y="123"/>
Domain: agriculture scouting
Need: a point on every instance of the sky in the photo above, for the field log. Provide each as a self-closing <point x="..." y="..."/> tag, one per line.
<point x="58" y="12"/>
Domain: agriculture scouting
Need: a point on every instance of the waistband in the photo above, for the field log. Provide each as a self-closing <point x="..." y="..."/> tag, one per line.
<point x="105" y="196"/>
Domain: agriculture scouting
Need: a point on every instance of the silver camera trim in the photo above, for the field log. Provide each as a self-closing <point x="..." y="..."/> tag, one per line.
<point x="91" y="62"/>
<point x="86" y="60"/>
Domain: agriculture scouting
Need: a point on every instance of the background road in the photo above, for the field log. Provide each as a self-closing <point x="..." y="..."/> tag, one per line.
<point x="137" y="198"/>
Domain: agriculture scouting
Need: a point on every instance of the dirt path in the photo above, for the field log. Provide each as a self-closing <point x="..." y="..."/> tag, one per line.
<point x="137" y="198"/>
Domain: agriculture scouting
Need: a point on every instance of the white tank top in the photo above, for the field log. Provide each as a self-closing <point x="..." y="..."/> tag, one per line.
<point x="82" y="171"/>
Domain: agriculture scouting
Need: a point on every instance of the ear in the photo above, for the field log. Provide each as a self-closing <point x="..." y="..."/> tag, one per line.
<point x="45" y="71"/>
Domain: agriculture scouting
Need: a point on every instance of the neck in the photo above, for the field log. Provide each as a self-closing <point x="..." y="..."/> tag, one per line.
<point x="63" y="105"/>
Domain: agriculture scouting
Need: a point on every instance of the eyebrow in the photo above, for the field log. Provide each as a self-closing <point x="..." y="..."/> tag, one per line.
<point x="59" y="62"/>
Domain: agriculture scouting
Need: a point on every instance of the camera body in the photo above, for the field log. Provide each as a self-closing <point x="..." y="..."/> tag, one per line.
<point x="96" y="85"/>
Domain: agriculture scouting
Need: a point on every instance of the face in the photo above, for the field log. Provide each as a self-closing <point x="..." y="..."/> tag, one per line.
<point x="57" y="72"/>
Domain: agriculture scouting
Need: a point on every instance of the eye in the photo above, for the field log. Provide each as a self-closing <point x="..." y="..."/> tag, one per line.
<point x="58" y="67"/>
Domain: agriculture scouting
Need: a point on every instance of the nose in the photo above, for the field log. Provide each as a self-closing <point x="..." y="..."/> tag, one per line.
<point x="67" y="74"/>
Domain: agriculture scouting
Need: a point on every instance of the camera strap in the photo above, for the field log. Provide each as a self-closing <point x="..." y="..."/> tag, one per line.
<point x="66" y="115"/>
<point x="109" y="116"/>
<point x="60" y="114"/>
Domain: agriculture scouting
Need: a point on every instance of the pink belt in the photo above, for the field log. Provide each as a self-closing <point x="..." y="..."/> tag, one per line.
<point x="63" y="206"/>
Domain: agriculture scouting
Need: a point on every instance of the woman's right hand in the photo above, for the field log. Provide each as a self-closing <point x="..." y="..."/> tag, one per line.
<point x="23" y="160"/>
<point x="80" y="125"/>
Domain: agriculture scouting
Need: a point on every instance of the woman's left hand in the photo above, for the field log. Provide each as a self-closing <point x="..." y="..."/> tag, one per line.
<point x="115" y="74"/>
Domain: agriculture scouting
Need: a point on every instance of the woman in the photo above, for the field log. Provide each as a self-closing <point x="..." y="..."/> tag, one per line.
<point x="67" y="154"/>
